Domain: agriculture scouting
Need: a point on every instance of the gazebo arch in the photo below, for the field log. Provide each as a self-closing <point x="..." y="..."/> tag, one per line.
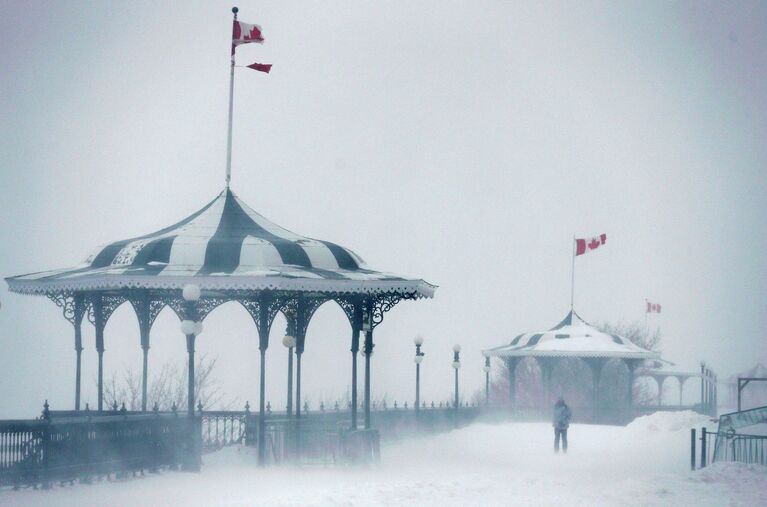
<point x="231" y="253"/>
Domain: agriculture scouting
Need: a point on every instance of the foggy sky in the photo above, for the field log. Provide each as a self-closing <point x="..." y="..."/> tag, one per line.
<point x="461" y="142"/>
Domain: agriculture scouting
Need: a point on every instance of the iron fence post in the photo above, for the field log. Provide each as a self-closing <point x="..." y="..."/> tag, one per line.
<point x="703" y="455"/>
<point x="692" y="449"/>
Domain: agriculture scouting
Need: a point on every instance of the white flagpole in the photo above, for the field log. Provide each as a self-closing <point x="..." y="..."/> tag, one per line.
<point x="231" y="107"/>
<point x="572" y="279"/>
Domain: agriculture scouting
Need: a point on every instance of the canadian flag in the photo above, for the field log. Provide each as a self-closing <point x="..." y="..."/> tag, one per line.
<point x="261" y="67"/>
<point x="653" y="307"/>
<point x="587" y="244"/>
<point x="243" y="33"/>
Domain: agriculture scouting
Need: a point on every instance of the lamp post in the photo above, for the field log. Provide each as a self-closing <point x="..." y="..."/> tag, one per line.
<point x="456" y="366"/>
<point x="486" y="369"/>
<point x="418" y="341"/>
<point x="290" y="341"/>
<point x="702" y="385"/>
<point x="191" y="328"/>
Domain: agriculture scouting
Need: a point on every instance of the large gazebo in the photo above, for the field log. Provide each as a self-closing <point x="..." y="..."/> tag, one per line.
<point x="571" y="338"/>
<point x="224" y="252"/>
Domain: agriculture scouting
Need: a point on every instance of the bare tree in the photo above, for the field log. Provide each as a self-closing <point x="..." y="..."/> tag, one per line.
<point x="168" y="387"/>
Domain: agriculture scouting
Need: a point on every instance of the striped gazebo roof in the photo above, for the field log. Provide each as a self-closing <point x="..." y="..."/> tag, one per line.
<point x="224" y="245"/>
<point x="573" y="337"/>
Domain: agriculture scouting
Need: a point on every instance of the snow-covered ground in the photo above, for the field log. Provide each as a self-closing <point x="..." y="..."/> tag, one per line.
<point x="645" y="463"/>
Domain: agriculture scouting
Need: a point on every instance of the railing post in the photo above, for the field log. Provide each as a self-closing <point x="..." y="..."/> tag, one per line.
<point x="692" y="449"/>
<point x="703" y="442"/>
<point x="45" y="444"/>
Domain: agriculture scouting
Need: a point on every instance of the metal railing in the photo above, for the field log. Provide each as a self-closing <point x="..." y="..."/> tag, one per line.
<point x="43" y="451"/>
<point x="726" y="444"/>
<point x="69" y="445"/>
<point x="222" y="428"/>
<point x="711" y="447"/>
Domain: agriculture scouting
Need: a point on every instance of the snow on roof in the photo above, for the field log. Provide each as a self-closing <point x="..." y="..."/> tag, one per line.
<point x="664" y="368"/>
<point x="573" y="337"/>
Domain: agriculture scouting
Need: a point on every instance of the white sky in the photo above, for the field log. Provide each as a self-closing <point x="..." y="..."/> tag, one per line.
<point x="463" y="143"/>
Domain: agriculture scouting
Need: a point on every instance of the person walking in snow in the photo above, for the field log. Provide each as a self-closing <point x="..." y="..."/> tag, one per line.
<point x="561" y="422"/>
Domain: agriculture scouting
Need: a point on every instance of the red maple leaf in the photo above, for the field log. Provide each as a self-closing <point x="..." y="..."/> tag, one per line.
<point x="594" y="244"/>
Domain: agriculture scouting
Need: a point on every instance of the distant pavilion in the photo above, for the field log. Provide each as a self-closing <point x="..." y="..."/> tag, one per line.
<point x="571" y="338"/>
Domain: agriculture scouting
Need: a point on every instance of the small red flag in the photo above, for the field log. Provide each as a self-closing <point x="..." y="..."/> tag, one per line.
<point x="584" y="245"/>
<point x="653" y="307"/>
<point x="261" y="67"/>
<point x="243" y="33"/>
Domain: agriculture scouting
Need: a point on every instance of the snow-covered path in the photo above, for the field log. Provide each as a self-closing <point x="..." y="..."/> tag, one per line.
<point x="645" y="463"/>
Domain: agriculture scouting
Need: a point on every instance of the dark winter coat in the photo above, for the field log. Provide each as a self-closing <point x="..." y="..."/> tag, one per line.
<point x="562" y="415"/>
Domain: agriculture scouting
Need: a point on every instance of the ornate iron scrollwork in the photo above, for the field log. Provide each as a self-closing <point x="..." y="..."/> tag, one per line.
<point x="207" y="305"/>
<point x="382" y="303"/>
<point x="147" y="309"/>
<point x="72" y="306"/>
<point x="109" y="304"/>
<point x="267" y="302"/>
<point x="351" y="306"/>
<point x="307" y="310"/>
<point x="177" y="304"/>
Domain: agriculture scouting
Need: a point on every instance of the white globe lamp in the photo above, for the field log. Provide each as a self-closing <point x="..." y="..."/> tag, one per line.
<point x="191" y="292"/>
<point x="188" y="327"/>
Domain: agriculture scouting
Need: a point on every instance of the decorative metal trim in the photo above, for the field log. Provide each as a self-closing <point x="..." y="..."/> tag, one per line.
<point x="352" y="308"/>
<point x="263" y="310"/>
<point x="382" y="303"/>
<point x="177" y="304"/>
<point x="206" y="305"/>
<point x="372" y="287"/>
<point x="72" y="306"/>
<point x="109" y="304"/>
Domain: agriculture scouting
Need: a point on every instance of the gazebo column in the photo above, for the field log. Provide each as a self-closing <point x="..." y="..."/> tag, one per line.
<point x="355" y="348"/>
<point x="99" y="323"/>
<point x="596" y="364"/>
<point x="74" y="308"/>
<point x="659" y="379"/>
<point x="190" y="377"/>
<point x="262" y="403"/>
<point x="143" y="313"/>
<point x="302" y="316"/>
<point x="511" y="365"/>
<point x="299" y="353"/>
<point x="264" y="324"/>
<point x="144" y="371"/>
<point x="289" y="401"/>
<point x="79" y="352"/>
<point x="546" y="365"/>
<point x="631" y="365"/>
<point x="191" y="328"/>
<point x="368" y="352"/>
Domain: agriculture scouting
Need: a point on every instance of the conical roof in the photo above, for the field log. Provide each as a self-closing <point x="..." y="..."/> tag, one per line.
<point x="224" y="245"/>
<point x="573" y="337"/>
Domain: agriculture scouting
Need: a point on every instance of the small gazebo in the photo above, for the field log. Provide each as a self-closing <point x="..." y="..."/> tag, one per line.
<point x="571" y="338"/>
<point x="224" y="252"/>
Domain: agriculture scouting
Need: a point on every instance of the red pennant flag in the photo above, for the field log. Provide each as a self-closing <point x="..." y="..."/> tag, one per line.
<point x="243" y="33"/>
<point x="261" y="67"/>
<point x="585" y="245"/>
<point x="653" y="307"/>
